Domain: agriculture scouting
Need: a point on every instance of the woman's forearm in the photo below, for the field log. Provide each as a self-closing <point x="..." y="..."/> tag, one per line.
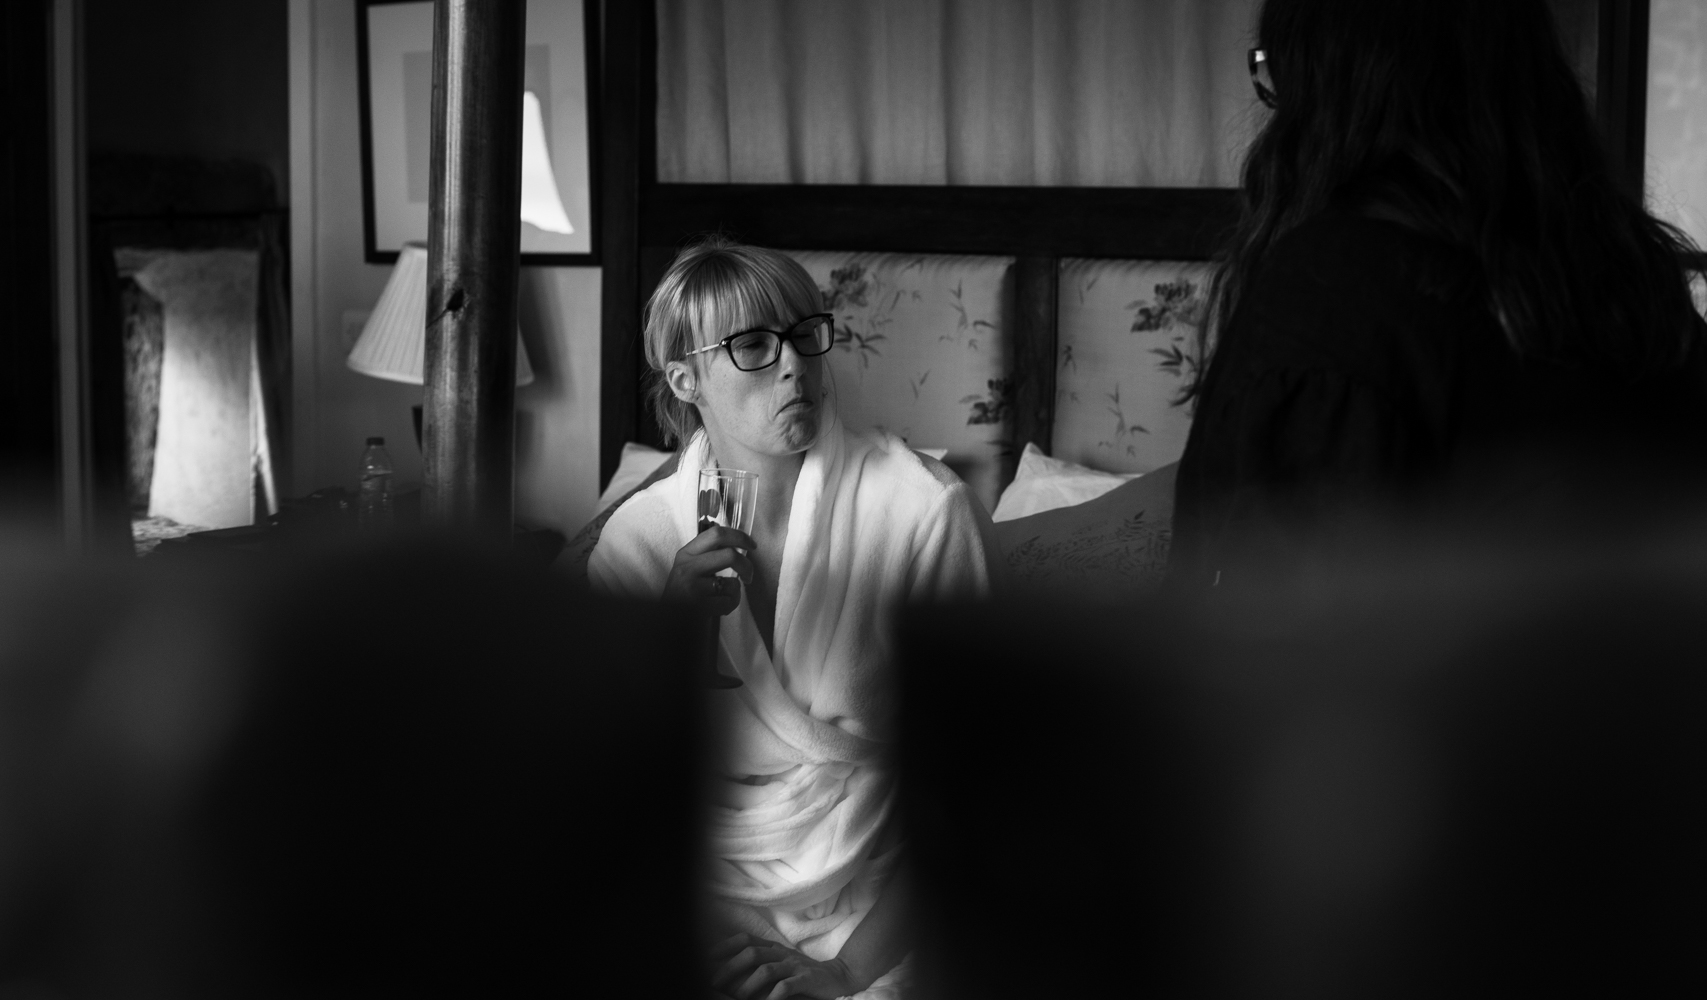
<point x="885" y="936"/>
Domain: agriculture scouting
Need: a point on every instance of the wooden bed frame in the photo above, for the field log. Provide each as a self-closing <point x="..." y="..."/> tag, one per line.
<point x="644" y="221"/>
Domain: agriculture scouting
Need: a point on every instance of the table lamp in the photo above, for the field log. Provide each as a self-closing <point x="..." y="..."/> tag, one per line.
<point x="393" y="344"/>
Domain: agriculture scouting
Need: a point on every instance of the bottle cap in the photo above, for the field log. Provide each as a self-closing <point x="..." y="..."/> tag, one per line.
<point x="378" y="441"/>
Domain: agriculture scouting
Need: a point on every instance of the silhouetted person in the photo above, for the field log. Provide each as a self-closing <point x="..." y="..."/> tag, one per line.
<point x="1440" y="302"/>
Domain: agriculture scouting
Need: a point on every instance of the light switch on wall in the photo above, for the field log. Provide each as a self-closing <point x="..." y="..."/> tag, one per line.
<point x="354" y="320"/>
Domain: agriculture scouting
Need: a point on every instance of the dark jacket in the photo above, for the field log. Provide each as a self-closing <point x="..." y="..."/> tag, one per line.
<point x="1364" y="384"/>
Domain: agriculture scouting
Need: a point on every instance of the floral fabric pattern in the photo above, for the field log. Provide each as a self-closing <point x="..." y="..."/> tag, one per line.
<point x="1127" y="340"/>
<point x="919" y="352"/>
<point x="1130" y="548"/>
<point x="1107" y="550"/>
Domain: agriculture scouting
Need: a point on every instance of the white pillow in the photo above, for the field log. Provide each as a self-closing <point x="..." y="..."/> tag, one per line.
<point x="1042" y="483"/>
<point x="638" y="462"/>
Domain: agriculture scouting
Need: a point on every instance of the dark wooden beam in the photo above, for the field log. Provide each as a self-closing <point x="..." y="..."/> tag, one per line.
<point x="109" y="531"/>
<point x="654" y="261"/>
<point x="29" y="363"/>
<point x="1143" y="223"/>
<point x="1037" y="283"/>
<point x="473" y="261"/>
<point x="623" y="118"/>
<point x="1621" y="93"/>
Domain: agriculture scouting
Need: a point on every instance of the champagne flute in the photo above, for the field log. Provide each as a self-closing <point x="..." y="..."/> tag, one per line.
<point x="727" y="497"/>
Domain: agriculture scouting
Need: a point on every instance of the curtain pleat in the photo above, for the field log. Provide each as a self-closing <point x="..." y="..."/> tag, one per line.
<point x="1677" y="115"/>
<point x="1150" y="93"/>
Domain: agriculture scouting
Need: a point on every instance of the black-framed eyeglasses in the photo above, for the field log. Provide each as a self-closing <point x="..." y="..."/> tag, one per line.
<point x="1260" y="78"/>
<point x="759" y="348"/>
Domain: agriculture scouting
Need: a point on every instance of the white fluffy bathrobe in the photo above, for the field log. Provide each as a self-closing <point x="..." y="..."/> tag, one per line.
<point x="803" y="815"/>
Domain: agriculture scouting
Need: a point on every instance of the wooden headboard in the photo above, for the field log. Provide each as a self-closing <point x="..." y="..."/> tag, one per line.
<point x="644" y="221"/>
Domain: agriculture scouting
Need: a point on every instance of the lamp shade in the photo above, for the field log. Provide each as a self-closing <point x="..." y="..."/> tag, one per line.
<point x="393" y="344"/>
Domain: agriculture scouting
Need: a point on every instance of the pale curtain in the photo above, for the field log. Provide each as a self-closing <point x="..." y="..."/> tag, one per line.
<point x="1677" y="114"/>
<point x="1142" y="93"/>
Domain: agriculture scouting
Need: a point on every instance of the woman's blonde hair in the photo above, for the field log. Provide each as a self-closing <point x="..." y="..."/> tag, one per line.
<point x="713" y="288"/>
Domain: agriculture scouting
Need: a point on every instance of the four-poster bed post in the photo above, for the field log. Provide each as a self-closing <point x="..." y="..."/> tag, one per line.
<point x="473" y="254"/>
<point x="646" y="220"/>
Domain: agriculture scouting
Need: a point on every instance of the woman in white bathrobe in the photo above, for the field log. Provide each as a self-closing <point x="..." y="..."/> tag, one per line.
<point x="808" y="875"/>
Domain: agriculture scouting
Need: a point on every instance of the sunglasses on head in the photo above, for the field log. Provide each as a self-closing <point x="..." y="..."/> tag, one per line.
<point x="1260" y="78"/>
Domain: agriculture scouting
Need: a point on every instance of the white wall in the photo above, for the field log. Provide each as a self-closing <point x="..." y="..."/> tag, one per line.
<point x="557" y="452"/>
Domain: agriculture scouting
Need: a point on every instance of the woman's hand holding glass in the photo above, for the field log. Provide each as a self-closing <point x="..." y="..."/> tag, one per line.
<point x="694" y="577"/>
<point x="712" y="568"/>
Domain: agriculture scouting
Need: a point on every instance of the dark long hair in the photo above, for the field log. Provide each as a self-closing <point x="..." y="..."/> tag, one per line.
<point x="1462" y="120"/>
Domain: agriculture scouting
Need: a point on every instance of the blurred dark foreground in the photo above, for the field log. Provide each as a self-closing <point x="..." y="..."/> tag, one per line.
<point x="1419" y="773"/>
<point x="427" y="770"/>
<point x="403" y="771"/>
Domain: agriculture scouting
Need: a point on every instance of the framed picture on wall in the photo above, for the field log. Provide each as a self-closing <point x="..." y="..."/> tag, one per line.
<point x="559" y="128"/>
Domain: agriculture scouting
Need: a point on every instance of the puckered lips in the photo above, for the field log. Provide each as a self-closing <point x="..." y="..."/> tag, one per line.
<point x="796" y="404"/>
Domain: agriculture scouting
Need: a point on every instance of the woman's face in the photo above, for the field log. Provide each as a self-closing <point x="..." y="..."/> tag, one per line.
<point x="772" y="411"/>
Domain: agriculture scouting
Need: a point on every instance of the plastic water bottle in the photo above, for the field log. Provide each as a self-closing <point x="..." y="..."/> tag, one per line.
<point x="373" y="500"/>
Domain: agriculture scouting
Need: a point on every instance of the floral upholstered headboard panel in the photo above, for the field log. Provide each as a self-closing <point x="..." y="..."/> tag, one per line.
<point x="1126" y="348"/>
<point x="921" y="353"/>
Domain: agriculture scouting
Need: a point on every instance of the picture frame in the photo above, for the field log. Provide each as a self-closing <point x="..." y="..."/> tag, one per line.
<point x="560" y="204"/>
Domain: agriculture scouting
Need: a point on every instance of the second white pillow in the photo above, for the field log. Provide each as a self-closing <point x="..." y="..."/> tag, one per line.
<point x="638" y="462"/>
<point x="1042" y="483"/>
